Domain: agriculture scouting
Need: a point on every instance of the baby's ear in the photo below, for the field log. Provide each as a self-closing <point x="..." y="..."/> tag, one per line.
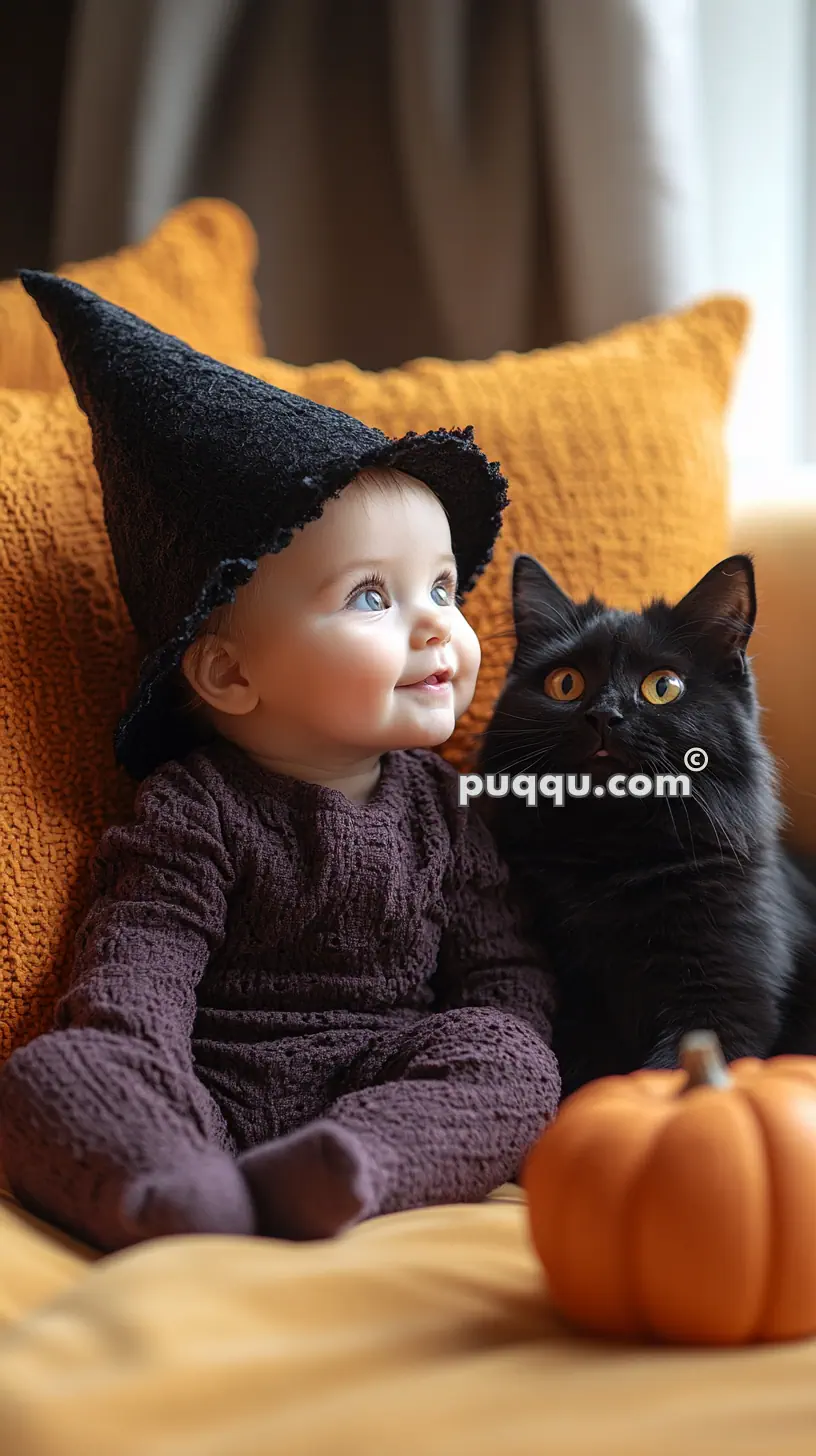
<point x="721" y="608"/>
<point x="191" y="664"/>
<point x="214" y="672"/>
<point x="540" y="606"/>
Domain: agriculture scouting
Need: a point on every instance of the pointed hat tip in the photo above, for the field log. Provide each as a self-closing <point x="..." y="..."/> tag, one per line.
<point x="75" y="311"/>
<point x="36" y="282"/>
<point x="84" y="326"/>
<point x="42" y="286"/>
<point x="49" y="291"/>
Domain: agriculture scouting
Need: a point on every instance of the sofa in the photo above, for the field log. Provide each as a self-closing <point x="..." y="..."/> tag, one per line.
<point x="430" y="1332"/>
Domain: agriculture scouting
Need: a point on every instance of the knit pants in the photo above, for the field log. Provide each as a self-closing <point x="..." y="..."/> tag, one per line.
<point x="117" y="1141"/>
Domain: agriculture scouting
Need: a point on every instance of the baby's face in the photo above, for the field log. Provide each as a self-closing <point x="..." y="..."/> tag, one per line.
<point x="350" y="638"/>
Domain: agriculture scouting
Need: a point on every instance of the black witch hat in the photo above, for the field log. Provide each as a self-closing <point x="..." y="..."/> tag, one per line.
<point x="205" y="469"/>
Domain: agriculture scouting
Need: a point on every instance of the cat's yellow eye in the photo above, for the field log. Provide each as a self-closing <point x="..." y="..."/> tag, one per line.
<point x="565" y="684"/>
<point x="662" y="687"/>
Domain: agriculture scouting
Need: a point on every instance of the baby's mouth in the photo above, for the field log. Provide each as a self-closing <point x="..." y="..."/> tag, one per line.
<point x="434" y="682"/>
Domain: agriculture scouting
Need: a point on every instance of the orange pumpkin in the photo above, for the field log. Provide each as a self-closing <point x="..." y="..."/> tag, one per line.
<point x="682" y="1204"/>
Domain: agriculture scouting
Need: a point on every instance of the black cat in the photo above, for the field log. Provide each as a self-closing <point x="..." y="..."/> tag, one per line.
<point x="660" y="914"/>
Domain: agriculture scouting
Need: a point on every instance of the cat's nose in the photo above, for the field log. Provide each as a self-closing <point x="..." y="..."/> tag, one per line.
<point x="602" y="719"/>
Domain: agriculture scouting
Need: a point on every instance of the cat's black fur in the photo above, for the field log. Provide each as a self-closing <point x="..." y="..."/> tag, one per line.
<point x="659" y="915"/>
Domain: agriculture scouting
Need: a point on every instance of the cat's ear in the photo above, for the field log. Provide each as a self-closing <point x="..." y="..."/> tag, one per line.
<point x="721" y="608"/>
<point x="539" y="604"/>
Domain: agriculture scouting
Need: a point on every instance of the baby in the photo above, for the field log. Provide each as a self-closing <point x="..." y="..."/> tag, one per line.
<point x="300" y="997"/>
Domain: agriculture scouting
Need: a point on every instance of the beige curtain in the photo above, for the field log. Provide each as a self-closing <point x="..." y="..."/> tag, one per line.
<point x="448" y="177"/>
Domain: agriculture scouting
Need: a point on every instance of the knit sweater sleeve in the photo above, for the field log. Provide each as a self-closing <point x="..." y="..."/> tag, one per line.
<point x="159" y="914"/>
<point x="485" y="959"/>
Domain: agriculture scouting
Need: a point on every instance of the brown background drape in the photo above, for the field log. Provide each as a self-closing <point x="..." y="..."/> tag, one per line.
<point x="448" y="177"/>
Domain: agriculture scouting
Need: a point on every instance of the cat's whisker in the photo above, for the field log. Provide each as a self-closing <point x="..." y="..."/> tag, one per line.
<point x="526" y="740"/>
<point x="654" y="769"/>
<point x="691" y="835"/>
<point x="710" y="811"/>
<point x="715" y="824"/>
<point x="495" y="732"/>
<point x="500" y="636"/>
<point x="528" y="763"/>
<point x="550" y="617"/>
<point x="521" y="718"/>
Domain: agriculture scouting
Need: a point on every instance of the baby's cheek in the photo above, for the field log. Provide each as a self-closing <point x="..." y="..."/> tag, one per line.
<point x="468" y="648"/>
<point x="362" y="658"/>
<point x="469" y="656"/>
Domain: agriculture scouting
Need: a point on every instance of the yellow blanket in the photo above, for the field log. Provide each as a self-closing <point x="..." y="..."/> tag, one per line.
<point x="421" y="1334"/>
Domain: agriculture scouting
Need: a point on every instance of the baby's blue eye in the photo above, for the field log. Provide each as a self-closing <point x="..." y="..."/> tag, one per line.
<point x="369" y="600"/>
<point x="440" y="595"/>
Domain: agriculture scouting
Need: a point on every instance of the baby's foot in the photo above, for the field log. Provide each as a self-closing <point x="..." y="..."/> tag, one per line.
<point x="206" y="1196"/>
<point x="310" y="1185"/>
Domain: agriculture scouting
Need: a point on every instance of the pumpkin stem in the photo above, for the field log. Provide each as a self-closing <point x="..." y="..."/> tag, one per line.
<point x="702" y="1059"/>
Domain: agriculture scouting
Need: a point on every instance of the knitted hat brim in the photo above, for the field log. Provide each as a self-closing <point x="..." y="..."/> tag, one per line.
<point x="155" y="726"/>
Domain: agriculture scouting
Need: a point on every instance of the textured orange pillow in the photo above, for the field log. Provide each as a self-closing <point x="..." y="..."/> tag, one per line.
<point x="191" y="277"/>
<point x="614" y="452"/>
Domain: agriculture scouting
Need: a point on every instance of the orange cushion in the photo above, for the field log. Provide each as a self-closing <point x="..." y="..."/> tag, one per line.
<point x="614" y="452"/>
<point x="191" y="277"/>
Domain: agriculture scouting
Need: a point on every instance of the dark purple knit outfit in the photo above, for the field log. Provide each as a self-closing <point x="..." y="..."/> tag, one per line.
<point x="288" y="1012"/>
